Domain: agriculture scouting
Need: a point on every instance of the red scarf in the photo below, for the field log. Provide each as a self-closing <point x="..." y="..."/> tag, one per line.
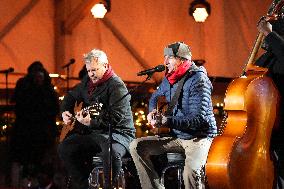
<point x="179" y="72"/>
<point x="92" y="86"/>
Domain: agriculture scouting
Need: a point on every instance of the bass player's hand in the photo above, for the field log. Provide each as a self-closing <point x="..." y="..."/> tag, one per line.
<point x="264" y="26"/>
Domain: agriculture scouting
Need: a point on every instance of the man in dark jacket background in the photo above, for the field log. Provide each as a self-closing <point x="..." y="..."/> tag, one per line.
<point x="192" y="122"/>
<point x="273" y="59"/>
<point x="33" y="136"/>
<point x="101" y="85"/>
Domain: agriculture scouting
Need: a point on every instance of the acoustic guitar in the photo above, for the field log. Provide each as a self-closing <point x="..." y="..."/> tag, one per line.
<point x="94" y="110"/>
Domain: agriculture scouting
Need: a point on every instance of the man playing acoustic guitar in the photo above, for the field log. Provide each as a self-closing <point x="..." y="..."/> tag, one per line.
<point x="189" y="116"/>
<point x="101" y="86"/>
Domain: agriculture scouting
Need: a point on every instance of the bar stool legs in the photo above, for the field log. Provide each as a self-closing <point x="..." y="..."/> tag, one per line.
<point x="175" y="161"/>
<point x="179" y="177"/>
<point x="96" y="177"/>
<point x="179" y="174"/>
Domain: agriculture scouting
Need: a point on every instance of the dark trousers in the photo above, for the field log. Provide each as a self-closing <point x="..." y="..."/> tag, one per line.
<point x="277" y="145"/>
<point x="77" y="151"/>
<point x="278" y="150"/>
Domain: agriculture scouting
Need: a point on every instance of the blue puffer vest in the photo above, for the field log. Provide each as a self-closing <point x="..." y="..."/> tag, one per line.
<point x="193" y="115"/>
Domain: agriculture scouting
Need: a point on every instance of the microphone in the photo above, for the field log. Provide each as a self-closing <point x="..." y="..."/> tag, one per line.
<point x="71" y="61"/>
<point x="9" y="70"/>
<point x="158" y="68"/>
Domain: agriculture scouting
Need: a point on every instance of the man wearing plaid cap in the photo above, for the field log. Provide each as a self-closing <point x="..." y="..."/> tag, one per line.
<point x="191" y="120"/>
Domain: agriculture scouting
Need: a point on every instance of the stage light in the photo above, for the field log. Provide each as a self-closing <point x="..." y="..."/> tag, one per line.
<point x="100" y="9"/>
<point x="200" y="10"/>
<point x="54" y="75"/>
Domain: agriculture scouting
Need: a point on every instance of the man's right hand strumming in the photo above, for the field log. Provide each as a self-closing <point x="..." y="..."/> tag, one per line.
<point x="156" y="119"/>
<point x="151" y="118"/>
<point x="67" y="117"/>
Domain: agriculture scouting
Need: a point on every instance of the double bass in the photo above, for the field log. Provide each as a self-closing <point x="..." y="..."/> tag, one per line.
<point x="240" y="156"/>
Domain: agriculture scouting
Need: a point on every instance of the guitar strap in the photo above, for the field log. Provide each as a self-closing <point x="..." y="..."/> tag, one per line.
<point x="175" y="98"/>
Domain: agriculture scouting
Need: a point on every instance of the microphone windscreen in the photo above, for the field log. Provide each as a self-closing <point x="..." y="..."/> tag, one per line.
<point x="72" y="60"/>
<point x="11" y="69"/>
<point x="160" y="68"/>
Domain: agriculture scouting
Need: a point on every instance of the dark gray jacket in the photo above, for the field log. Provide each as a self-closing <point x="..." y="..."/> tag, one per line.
<point x="106" y="93"/>
<point x="273" y="59"/>
<point x="193" y="115"/>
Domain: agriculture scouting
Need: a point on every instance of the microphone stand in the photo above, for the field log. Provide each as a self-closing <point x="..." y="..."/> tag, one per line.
<point x="68" y="75"/>
<point x="7" y="90"/>
<point x="110" y="139"/>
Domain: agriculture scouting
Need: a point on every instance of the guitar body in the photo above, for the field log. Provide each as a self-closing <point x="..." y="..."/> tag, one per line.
<point x="66" y="129"/>
<point x="240" y="157"/>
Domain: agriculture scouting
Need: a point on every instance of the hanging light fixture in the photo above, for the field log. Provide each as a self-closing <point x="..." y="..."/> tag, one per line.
<point x="100" y="9"/>
<point x="200" y="10"/>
